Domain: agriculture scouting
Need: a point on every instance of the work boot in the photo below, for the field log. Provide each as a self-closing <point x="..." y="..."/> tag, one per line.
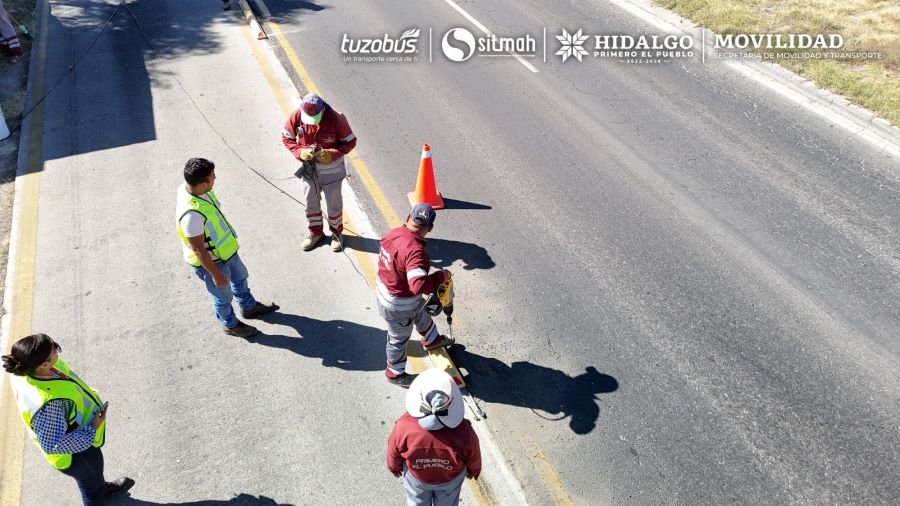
<point x="259" y="310"/>
<point x="336" y="243"/>
<point x="402" y="380"/>
<point x="112" y="488"/>
<point x="311" y="241"/>
<point x="241" y="330"/>
<point x="442" y="341"/>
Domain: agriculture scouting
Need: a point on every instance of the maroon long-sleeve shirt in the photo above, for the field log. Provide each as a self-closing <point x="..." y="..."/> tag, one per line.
<point x="433" y="456"/>
<point x="403" y="264"/>
<point x="333" y="133"/>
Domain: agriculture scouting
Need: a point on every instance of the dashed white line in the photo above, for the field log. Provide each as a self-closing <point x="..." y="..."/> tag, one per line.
<point x="487" y="32"/>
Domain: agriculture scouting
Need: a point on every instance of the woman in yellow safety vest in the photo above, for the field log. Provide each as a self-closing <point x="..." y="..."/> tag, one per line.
<point x="64" y="416"/>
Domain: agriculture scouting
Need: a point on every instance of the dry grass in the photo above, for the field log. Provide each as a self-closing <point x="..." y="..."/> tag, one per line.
<point x="23" y="11"/>
<point x="867" y="25"/>
<point x="13" y="107"/>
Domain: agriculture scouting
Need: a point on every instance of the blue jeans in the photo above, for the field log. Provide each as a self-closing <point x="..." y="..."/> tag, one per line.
<point x="87" y="469"/>
<point x="237" y="288"/>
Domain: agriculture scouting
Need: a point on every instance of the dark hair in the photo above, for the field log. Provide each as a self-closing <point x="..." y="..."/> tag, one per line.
<point x="28" y="353"/>
<point x="196" y="170"/>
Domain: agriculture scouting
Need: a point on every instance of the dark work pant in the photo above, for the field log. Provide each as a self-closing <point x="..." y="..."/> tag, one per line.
<point x="87" y="469"/>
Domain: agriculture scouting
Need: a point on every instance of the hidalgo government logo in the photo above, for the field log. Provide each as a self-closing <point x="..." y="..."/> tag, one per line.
<point x="572" y="45"/>
<point x="644" y="48"/>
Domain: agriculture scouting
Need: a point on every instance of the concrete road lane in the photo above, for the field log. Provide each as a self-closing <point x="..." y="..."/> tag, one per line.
<point x="675" y="284"/>
<point x="299" y="414"/>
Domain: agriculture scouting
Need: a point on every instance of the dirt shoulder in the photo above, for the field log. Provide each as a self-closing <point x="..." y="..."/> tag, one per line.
<point x="866" y="25"/>
<point x="13" y="83"/>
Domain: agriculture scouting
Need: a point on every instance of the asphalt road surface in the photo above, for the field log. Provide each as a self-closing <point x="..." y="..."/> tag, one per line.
<point x="676" y="285"/>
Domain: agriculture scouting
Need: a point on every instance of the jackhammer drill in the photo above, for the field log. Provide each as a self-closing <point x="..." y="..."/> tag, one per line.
<point x="442" y="300"/>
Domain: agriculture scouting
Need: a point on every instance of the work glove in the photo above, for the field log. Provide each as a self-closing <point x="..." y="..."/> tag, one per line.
<point x="306" y="154"/>
<point x="324" y="156"/>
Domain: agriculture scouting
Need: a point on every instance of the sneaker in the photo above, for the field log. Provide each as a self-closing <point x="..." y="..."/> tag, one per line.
<point x="442" y="341"/>
<point x="260" y="309"/>
<point x="241" y="330"/>
<point x="404" y="380"/>
<point x="112" y="488"/>
<point x="312" y="241"/>
<point x="336" y="243"/>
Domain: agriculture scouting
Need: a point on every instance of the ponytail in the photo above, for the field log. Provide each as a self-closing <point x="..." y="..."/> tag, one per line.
<point x="28" y="353"/>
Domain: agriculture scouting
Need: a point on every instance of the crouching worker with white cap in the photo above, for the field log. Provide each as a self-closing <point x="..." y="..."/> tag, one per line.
<point x="431" y="445"/>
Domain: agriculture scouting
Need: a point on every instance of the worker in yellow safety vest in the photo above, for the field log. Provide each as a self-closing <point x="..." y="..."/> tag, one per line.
<point x="64" y="416"/>
<point x="210" y="246"/>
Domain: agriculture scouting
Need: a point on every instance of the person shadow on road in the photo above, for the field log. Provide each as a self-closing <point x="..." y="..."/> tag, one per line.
<point x="338" y="343"/>
<point x="444" y="253"/>
<point x="238" y="500"/>
<point x="537" y="387"/>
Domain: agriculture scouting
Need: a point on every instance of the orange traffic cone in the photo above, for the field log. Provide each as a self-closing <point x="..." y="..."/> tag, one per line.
<point x="426" y="189"/>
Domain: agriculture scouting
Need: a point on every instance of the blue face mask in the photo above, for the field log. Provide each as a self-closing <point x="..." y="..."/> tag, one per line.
<point x="434" y="406"/>
<point x="431" y="422"/>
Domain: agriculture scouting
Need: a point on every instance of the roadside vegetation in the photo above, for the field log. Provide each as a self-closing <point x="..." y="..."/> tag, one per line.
<point x="12" y="101"/>
<point x="866" y="25"/>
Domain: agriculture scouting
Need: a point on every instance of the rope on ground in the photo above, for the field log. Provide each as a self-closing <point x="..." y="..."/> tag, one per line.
<point x="219" y="134"/>
<point x="222" y="137"/>
<point x="158" y="55"/>
<point x="70" y="69"/>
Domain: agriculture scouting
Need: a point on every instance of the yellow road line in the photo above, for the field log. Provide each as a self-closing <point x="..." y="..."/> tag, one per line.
<point x="547" y="473"/>
<point x="283" y="102"/>
<point x="20" y="326"/>
<point x="364" y="260"/>
<point x="381" y="201"/>
<point x="482" y="492"/>
<point x="364" y="174"/>
<point x="12" y="441"/>
<point x="416" y="362"/>
<point x="292" y="57"/>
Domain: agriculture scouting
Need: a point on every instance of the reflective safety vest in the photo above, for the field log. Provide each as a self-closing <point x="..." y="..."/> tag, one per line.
<point x="32" y="393"/>
<point x="220" y="238"/>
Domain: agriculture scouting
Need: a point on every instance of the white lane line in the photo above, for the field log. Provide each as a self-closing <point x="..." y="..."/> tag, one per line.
<point x="848" y="123"/>
<point x="487" y="32"/>
<point x="645" y="13"/>
<point x="829" y="106"/>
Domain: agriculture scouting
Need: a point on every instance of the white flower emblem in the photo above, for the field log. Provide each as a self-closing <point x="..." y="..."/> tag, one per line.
<point x="571" y="45"/>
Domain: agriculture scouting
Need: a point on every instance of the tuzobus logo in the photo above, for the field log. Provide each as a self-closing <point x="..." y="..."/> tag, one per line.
<point x="386" y="45"/>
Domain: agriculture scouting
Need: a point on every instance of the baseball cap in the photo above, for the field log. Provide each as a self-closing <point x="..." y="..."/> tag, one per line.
<point x="311" y="109"/>
<point x="423" y="215"/>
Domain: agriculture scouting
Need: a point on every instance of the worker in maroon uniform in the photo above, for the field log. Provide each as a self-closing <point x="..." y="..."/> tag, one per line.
<point x="431" y="445"/>
<point x="318" y="134"/>
<point x="404" y="276"/>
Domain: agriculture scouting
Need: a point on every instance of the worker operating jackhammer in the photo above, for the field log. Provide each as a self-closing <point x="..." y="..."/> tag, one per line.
<point x="403" y="278"/>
